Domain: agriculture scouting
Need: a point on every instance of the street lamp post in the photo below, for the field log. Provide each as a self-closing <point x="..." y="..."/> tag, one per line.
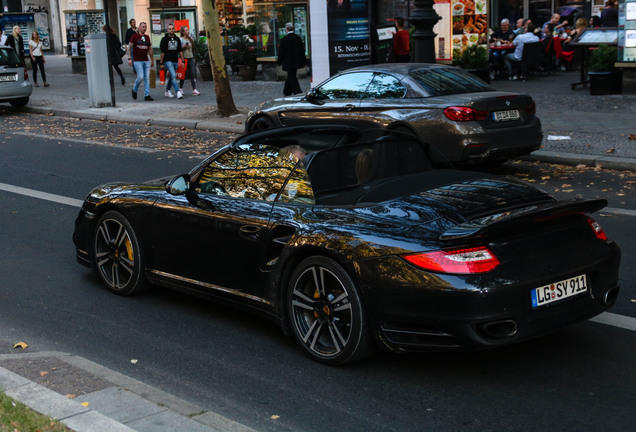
<point x="424" y="18"/>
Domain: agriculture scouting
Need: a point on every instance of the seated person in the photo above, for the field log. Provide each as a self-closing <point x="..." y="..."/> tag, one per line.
<point x="504" y="36"/>
<point x="558" y="27"/>
<point x="518" y="42"/>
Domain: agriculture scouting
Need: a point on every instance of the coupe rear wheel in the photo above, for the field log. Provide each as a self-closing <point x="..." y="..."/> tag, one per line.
<point x="326" y="312"/>
<point x="19" y="103"/>
<point x="261" y="123"/>
<point x="117" y="256"/>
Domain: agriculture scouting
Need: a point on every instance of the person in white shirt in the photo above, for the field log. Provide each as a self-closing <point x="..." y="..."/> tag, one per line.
<point x="518" y="42"/>
<point x="37" y="58"/>
<point x="3" y="37"/>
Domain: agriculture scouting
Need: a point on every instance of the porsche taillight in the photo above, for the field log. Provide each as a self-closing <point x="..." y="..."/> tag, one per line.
<point x="596" y="227"/>
<point x="459" y="261"/>
<point x="460" y="113"/>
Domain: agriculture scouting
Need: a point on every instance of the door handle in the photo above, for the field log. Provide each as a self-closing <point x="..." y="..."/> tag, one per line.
<point x="250" y="232"/>
<point x="349" y="107"/>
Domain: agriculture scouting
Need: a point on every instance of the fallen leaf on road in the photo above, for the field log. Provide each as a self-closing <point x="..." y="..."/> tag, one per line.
<point x="612" y="150"/>
<point x="44" y="373"/>
<point x="20" y="345"/>
<point x="70" y="396"/>
<point x="632" y="137"/>
<point x="134" y="361"/>
<point x="275" y="417"/>
<point x="85" y="404"/>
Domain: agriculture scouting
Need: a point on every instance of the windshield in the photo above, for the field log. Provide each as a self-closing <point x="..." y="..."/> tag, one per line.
<point x="9" y="58"/>
<point x="448" y="81"/>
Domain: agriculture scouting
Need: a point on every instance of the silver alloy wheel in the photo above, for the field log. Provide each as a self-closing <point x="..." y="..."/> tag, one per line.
<point x="116" y="254"/>
<point x="326" y="313"/>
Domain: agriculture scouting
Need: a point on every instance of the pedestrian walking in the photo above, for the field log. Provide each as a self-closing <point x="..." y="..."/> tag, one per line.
<point x="131" y="31"/>
<point x="15" y="41"/>
<point x="291" y="56"/>
<point x="187" y="44"/>
<point x="401" y="43"/>
<point x="170" y="46"/>
<point x="37" y="58"/>
<point x="141" y="48"/>
<point x="115" y="51"/>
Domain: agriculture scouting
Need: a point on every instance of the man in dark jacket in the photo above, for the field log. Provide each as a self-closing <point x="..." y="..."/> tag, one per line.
<point x="291" y="56"/>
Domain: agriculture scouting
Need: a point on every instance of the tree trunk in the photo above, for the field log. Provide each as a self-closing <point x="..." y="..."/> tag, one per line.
<point x="224" y="100"/>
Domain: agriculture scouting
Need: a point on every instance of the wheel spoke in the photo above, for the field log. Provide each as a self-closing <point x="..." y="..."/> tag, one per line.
<point x="127" y="265"/>
<point x="121" y="235"/>
<point x="101" y="263"/>
<point x="316" y="334"/>
<point x="302" y="305"/>
<point x="333" y="332"/>
<point x="307" y="335"/>
<point x="114" y="274"/>
<point x="103" y="231"/>
<point x="340" y="298"/>
<point x="346" y="306"/>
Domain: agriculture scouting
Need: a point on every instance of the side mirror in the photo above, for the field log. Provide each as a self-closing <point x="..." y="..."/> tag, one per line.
<point x="313" y="96"/>
<point x="178" y="185"/>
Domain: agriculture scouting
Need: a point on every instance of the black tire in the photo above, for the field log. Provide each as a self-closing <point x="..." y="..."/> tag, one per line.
<point x="261" y="123"/>
<point x="326" y="313"/>
<point x="19" y="103"/>
<point x="117" y="255"/>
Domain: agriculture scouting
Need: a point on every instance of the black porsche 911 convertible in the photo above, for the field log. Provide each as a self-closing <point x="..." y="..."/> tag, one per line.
<point x="356" y="240"/>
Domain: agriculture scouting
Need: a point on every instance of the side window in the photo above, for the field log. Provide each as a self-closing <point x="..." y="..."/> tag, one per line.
<point x="385" y="86"/>
<point x="298" y="189"/>
<point x="254" y="172"/>
<point x="347" y="86"/>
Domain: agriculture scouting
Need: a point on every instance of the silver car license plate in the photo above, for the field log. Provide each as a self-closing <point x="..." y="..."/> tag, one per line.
<point x="505" y="115"/>
<point x="11" y="77"/>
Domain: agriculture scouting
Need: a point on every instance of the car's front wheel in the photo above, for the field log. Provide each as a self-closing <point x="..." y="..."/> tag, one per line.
<point x="261" y="123"/>
<point x="326" y="312"/>
<point x="117" y="255"/>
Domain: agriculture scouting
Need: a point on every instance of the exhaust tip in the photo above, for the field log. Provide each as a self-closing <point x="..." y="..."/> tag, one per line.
<point x="609" y="296"/>
<point x="498" y="329"/>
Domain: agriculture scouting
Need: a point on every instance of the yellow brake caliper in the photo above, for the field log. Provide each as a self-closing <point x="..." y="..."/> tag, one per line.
<point x="129" y="250"/>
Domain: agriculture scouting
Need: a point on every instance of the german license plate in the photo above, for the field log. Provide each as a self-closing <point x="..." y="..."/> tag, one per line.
<point x="5" y="78"/>
<point x="505" y="115"/>
<point x="558" y="291"/>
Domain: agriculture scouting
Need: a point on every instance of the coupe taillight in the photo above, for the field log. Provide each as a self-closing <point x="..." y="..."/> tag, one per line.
<point x="459" y="113"/>
<point x="459" y="261"/>
<point x="531" y="109"/>
<point x="596" y="227"/>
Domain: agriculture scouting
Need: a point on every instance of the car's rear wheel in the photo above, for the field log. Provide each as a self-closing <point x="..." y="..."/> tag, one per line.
<point x="19" y="103"/>
<point x="261" y="123"/>
<point x="117" y="255"/>
<point x="326" y="312"/>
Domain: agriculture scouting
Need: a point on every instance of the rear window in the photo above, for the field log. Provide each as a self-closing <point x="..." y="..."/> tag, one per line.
<point x="448" y="81"/>
<point x="9" y="58"/>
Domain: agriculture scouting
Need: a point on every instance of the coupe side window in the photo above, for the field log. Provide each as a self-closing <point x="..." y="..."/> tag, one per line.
<point x="346" y="86"/>
<point x="385" y="86"/>
<point x="254" y="172"/>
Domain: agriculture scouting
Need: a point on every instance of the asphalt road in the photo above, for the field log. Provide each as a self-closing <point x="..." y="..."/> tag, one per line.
<point x="241" y="366"/>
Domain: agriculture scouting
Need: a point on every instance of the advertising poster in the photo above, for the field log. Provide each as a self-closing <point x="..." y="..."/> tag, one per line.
<point x="443" y="31"/>
<point x="470" y="24"/>
<point x="348" y="34"/>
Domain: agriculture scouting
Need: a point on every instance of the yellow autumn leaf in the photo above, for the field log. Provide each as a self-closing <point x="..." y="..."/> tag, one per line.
<point x="20" y="345"/>
<point x="85" y="404"/>
<point x="275" y="417"/>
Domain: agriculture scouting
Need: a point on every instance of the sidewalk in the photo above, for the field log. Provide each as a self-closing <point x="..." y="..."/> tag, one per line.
<point x="87" y="397"/>
<point x="578" y="127"/>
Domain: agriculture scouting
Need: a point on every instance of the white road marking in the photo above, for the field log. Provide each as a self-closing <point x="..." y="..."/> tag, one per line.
<point x="41" y="195"/>
<point x="607" y="318"/>
<point x="83" y="141"/>
<point x="615" y="320"/>
<point x="619" y="211"/>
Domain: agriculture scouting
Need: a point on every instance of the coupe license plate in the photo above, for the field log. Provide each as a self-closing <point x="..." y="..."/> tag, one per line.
<point x="558" y="291"/>
<point x="5" y="78"/>
<point x="506" y="115"/>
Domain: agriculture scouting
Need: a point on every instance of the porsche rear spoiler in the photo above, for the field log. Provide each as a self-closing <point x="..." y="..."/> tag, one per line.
<point x="480" y="225"/>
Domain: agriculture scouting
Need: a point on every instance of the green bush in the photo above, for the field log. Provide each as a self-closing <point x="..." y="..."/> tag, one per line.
<point x="603" y="58"/>
<point x="200" y="51"/>
<point x="245" y="53"/>
<point x="474" y="57"/>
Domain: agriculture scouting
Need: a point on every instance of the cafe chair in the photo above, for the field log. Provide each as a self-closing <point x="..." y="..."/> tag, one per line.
<point x="531" y="58"/>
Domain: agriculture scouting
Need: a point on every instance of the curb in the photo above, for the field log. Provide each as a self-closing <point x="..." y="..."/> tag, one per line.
<point x="616" y="163"/>
<point x="163" y="411"/>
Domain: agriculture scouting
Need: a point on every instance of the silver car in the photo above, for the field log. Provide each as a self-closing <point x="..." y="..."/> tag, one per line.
<point x="462" y="116"/>
<point x="15" y="86"/>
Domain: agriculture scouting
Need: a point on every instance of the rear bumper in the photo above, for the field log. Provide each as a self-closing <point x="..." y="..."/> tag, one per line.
<point x="13" y="91"/>
<point x="429" y="311"/>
